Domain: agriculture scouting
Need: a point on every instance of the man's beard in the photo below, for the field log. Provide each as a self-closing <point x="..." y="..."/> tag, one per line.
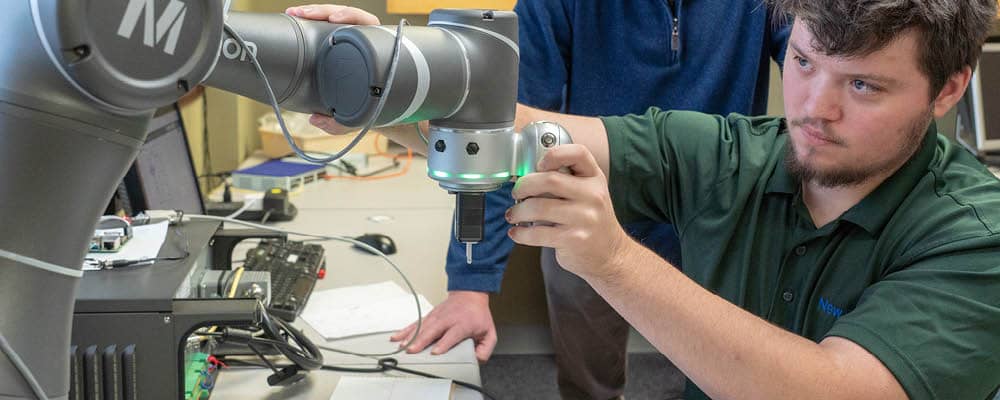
<point x="853" y="175"/>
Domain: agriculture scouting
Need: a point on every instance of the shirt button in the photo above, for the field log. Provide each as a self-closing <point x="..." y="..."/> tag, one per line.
<point x="788" y="296"/>
<point x="801" y="250"/>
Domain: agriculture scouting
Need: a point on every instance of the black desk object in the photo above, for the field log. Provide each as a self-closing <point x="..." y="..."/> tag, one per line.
<point x="130" y="325"/>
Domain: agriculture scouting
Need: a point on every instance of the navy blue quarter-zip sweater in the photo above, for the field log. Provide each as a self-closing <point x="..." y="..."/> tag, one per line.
<point x="608" y="57"/>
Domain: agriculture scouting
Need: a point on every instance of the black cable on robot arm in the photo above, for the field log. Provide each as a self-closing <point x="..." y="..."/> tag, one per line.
<point x="390" y="79"/>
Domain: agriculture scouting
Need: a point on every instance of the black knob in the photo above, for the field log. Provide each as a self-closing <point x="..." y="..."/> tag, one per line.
<point x="472" y="148"/>
<point x="440" y="146"/>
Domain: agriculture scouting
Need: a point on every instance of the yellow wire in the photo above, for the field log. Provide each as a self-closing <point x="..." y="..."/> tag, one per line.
<point x="236" y="282"/>
<point x="232" y="293"/>
<point x="196" y="392"/>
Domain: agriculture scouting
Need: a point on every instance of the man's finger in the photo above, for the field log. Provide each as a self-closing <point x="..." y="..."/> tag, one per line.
<point x="545" y="184"/>
<point x="538" y="235"/>
<point x="576" y="157"/>
<point x="329" y="125"/>
<point x="428" y="334"/>
<point x="403" y="333"/>
<point x="334" y="13"/>
<point x="313" y="11"/>
<point x="448" y="340"/>
<point x="484" y="348"/>
<point x="534" y="209"/>
<point x="353" y="16"/>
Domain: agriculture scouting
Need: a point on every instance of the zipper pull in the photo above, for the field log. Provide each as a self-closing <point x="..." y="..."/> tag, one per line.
<point x="675" y="37"/>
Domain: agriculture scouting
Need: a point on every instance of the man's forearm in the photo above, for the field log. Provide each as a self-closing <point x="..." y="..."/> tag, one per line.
<point x="727" y="351"/>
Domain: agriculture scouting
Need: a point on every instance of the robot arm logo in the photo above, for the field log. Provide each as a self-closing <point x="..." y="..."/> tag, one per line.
<point x="232" y="50"/>
<point x="167" y="26"/>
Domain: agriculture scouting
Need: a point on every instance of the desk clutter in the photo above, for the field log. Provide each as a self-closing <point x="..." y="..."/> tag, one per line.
<point x="294" y="267"/>
<point x="290" y="176"/>
<point x="128" y="245"/>
<point x="361" y="310"/>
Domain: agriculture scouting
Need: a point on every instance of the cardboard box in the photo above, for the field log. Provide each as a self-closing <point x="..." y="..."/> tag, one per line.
<point x="310" y="138"/>
<point x="426" y="6"/>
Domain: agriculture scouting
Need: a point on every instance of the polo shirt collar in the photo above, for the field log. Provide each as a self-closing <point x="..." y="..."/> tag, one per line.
<point x="874" y="210"/>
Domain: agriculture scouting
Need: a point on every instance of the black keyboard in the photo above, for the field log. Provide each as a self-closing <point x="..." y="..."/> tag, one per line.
<point x="294" y="267"/>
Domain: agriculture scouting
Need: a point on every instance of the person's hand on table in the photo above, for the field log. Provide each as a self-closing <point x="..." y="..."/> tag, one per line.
<point x="464" y="314"/>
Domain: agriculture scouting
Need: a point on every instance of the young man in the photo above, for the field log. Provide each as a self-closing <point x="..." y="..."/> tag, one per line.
<point x="847" y="251"/>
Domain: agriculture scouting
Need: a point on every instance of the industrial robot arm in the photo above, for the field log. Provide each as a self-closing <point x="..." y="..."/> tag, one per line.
<point x="80" y="79"/>
<point x="459" y="72"/>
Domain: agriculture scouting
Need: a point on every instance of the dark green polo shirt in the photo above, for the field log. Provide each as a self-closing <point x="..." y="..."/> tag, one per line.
<point x="911" y="273"/>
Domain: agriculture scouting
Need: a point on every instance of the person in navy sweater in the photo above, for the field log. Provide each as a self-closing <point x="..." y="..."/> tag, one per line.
<point x="602" y="58"/>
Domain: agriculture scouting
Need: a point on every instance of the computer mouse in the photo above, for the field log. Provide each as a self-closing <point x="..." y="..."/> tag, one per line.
<point x="379" y="241"/>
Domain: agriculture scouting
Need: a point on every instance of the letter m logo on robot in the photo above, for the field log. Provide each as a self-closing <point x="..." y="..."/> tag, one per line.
<point x="168" y="25"/>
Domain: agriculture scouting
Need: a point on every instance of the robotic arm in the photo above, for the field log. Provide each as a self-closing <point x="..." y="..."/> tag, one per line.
<point x="460" y="72"/>
<point x="79" y="80"/>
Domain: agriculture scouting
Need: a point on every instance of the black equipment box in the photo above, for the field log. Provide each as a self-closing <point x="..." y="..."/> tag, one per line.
<point x="130" y="325"/>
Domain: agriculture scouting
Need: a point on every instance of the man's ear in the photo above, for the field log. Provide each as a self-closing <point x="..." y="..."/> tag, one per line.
<point x="952" y="91"/>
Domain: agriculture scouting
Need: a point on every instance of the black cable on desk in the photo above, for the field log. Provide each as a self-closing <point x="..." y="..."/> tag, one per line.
<point x="384" y="365"/>
<point x="262" y="358"/>
<point x="393" y="364"/>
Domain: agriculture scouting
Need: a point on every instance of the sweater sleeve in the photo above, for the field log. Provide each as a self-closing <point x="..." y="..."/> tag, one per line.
<point x="545" y="36"/>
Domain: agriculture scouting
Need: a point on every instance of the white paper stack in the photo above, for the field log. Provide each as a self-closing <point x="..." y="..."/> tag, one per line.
<point x="361" y="310"/>
<point x="145" y="244"/>
<point x="385" y="388"/>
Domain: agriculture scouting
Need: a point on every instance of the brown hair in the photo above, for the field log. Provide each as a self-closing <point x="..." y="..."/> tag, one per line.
<point x="951" y="32"/>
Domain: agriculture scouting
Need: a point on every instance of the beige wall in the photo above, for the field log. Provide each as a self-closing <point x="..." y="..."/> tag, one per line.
<point x="192" y="108"/>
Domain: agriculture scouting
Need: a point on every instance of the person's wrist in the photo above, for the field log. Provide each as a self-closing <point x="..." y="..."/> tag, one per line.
<point x="523" y="116"/>
<point x="479" y="298"/>
<point x="621" y="260"/>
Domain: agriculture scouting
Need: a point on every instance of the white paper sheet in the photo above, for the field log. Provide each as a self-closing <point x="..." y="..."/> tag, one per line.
<point x="145" y="243"/>
<point x="386" y="388"/>
<point x="360" y="310"/>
